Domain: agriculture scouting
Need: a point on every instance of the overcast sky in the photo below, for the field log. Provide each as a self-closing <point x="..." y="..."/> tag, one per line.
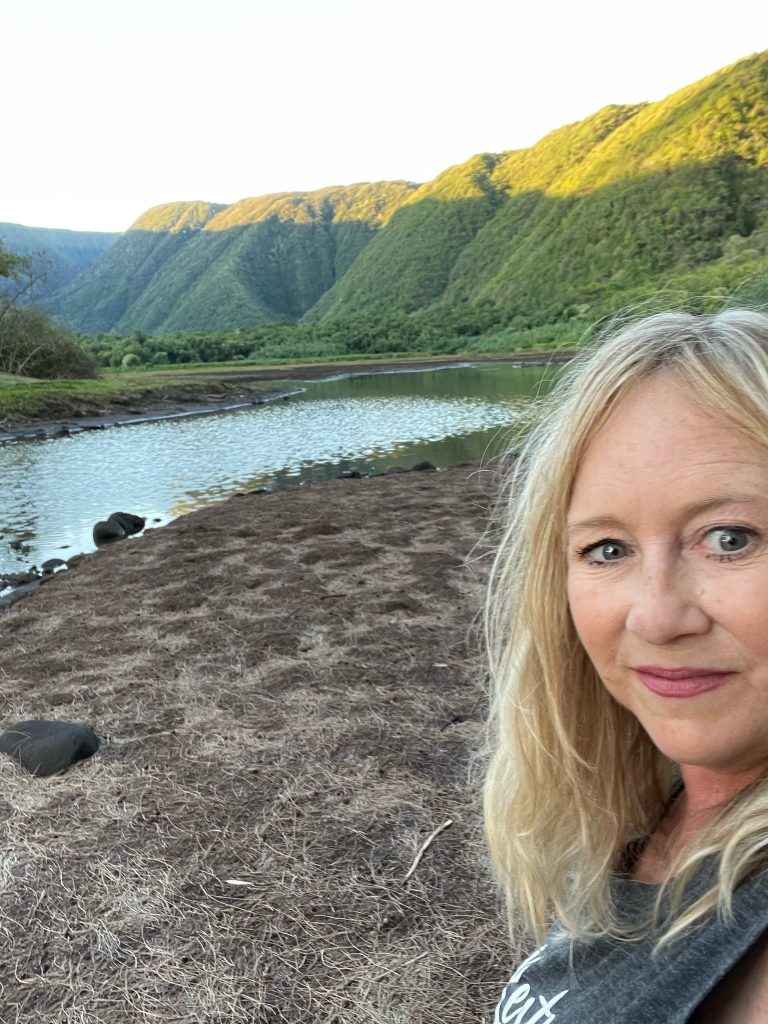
<point x="113" y="106"/>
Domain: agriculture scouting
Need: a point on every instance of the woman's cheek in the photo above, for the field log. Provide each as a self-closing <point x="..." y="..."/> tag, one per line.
<point x="598" y="618"/>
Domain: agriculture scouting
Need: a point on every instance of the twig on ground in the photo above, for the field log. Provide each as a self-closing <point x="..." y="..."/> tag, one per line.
<point x="391" y="970"/>
<point x="425" y="846"/>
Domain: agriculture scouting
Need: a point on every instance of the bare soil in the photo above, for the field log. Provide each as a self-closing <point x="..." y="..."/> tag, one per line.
<point x="290" y="691"/>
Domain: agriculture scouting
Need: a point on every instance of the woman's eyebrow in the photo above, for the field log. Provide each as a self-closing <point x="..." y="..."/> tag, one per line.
<point x="592" y="522"/>
<point x="605" y="521"/>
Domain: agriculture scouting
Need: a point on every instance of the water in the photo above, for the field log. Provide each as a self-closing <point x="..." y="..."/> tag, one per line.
<point x="53" y="491"/>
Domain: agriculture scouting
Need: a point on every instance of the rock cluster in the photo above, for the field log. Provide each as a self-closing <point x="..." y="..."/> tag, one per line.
<point x="354" y="474"/>
<point x="117" y="526"/>
<point x="28" y="580"/>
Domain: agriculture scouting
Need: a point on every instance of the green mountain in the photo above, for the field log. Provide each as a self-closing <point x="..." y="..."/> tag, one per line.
<point x="67" y="253"/>
<point x="411" y="263"/>
<point x="204" y="266"/>
<point x="668" y="197"/>
<point x="599" y="213"/>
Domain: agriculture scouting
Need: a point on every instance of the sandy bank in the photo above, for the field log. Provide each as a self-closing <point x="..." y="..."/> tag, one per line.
<point x="290" y="698"/>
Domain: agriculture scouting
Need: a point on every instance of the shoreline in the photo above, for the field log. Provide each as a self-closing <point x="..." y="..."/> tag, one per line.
<point x="31" y="578"/>
<point x="240" y="390"/>
<point x="147" y="412"/>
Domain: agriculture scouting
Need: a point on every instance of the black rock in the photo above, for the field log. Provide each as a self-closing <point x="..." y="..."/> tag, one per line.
<point x="350" y="474"/>
<point x="45" y="747"/>
<point x="18" y="579"/>
<point x="421" y="466"/>
<point x="117" y="526"/>
<point x="52" y="564"/>
<point x="107" y="530"/>
<point x="129" y="522"/>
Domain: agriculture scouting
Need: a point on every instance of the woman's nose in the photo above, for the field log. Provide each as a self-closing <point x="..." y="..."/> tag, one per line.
<point x="665" y="605"/>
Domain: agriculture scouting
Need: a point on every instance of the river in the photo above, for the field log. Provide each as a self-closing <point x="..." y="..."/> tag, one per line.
<point x="54" y="490"/>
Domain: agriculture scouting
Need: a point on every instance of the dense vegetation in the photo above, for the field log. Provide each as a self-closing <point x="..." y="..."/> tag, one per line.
<point x="442" y="332"/>
<point x="31" y="343"/>
<point x="200" y="266"/>
<point x="596" y="215"/>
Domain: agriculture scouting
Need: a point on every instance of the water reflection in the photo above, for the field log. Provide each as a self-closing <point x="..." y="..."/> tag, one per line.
<point x="55" y="490"/>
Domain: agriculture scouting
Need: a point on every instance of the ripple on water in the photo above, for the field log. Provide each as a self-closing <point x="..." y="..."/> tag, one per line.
<point x="54" y="490"/>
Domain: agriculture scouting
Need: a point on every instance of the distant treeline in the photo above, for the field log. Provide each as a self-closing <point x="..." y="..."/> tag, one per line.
<point x="479" y="328"/>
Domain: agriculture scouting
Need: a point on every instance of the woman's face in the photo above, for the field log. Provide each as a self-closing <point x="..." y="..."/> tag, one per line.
<point x="668" y="575"/>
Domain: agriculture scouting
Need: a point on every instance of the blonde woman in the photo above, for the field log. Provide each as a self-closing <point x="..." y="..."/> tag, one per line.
<point x="627" y="795"/>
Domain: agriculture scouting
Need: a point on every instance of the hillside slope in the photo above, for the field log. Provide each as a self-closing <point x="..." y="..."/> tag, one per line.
<point x="199" y="265"/>
<point x="598" y="213"/>
<point x="67" y="253"/>
<point x="410" y="263"/>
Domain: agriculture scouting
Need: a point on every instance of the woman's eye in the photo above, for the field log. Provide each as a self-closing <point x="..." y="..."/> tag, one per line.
<point x="605" y="551"/>
<point x="729" y="540"/>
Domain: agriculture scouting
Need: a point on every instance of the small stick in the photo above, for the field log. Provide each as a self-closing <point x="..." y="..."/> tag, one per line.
<point x="425" y="846"/>
<point x="391" y="970"/>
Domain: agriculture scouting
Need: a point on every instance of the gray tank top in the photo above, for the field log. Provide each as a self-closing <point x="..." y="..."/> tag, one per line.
<point x="611" y="982"/>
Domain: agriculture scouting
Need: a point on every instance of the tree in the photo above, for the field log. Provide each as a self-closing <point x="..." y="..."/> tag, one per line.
<point x="31" y="342"/>
<point x="21" y="274"/>
<point x="10" y="263"/>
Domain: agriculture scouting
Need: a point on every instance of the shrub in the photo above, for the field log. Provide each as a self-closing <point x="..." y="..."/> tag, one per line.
<point x="33" y="344"/>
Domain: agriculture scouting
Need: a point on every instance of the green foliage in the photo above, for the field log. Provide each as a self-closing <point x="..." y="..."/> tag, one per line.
<point x="177" y="218"/>
<point x="10" y="263"/>
<point x="31" y="344"/>
<point x="199" y="266"/>
<point x="36" y="346"/>
<point x="446" y="330"/>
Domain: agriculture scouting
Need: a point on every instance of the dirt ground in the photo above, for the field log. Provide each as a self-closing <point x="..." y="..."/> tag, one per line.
<point x="290" y="691"/>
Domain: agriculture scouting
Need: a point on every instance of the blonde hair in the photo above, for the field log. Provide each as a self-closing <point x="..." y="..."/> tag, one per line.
<point x="572" y="776"/>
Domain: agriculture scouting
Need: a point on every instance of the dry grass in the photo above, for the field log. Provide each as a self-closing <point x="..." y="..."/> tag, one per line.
<point x="290" y="707"/>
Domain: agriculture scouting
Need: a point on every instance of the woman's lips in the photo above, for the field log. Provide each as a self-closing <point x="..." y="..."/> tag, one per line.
<point x="680" y="682"/>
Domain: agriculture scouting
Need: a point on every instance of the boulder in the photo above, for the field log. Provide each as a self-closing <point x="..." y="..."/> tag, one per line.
<point x="117" y="526"/>
<point x="129" y="522"/>
<point x="52" y="564"/>
<point x="107" y="530"/>
<point x="45" y="747"/>
<point x="421" y="466"/>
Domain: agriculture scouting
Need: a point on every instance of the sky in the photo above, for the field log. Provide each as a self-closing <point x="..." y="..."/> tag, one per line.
<point x="111" y="107"/>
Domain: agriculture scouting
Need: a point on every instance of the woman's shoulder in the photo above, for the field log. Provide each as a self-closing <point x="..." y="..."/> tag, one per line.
<point x="741" y="997"/>
<point x="611" y="979"/>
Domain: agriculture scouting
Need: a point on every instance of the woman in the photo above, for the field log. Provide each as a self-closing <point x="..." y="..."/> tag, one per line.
<point x="627" y="794"/>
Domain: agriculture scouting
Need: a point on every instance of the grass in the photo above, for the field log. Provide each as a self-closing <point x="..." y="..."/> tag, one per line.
<point x="9" y="380"/>
<point x="65" y="399"/>
<point x="290" y="706"/>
